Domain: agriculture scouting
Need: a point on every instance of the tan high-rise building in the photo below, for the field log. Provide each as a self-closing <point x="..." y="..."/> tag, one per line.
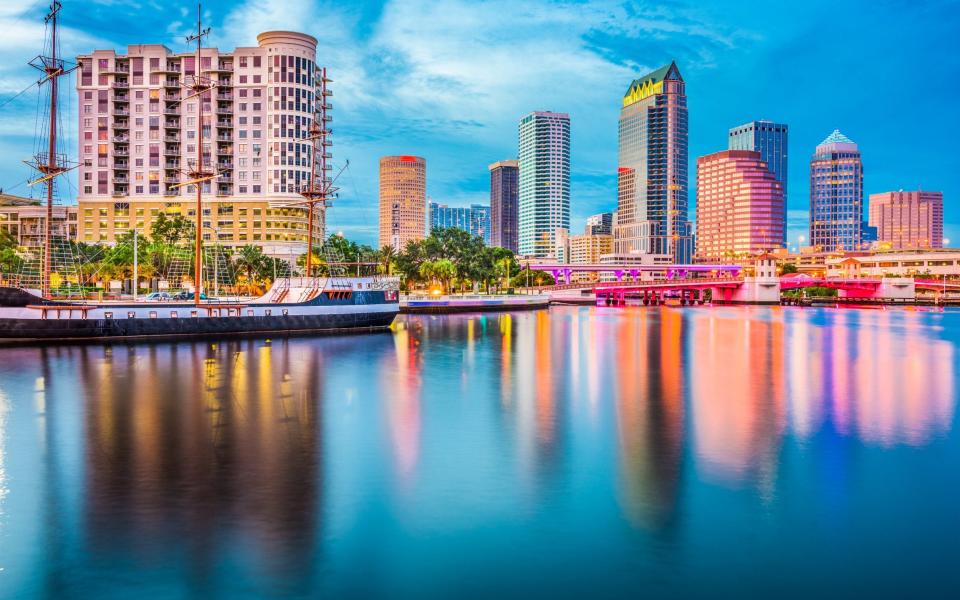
<point x="907" y="219"/>
<point x="138" y="138"/>
<point x="403" y="200"/>
<point x="587" y="249"/>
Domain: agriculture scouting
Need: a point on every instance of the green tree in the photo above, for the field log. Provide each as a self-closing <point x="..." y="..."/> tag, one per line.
<point x="254" y="263"/>
<point x="171" y="230"/>
<point x="788" y="268"/>
<point x="537" y="278"/>
<point x="10" y="260"/>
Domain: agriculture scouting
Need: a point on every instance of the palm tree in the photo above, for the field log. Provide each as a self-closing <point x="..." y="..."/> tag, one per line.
<point x="251" y="260"/>
<point x="386" y="256"/>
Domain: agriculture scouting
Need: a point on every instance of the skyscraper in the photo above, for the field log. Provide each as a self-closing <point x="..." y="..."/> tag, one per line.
<point x="739" y="206"/>
<point x="504" y="204"/>
<point x="908" y="219"/>
<point x="474" y="219"/>
<point x="599" y="224"/>
<point x="836" y="195"/>
<point x="652" y="174"/>
<point x="770" y="140"/>
<point x="403" y="200"/>
<point x="544" y="164"/>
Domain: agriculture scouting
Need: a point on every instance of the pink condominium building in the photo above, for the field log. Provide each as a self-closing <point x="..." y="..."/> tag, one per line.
<point x="138" y="138"/>
<point x="907" y="219"/>
<point x="740" y="206"/>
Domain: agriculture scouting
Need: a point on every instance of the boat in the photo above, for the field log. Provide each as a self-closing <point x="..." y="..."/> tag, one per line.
<point x="292" y="305"/>
<point x="308" y="304"/>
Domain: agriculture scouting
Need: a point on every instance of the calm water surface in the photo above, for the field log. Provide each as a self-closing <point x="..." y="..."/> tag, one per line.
<point x="575" y="452"/>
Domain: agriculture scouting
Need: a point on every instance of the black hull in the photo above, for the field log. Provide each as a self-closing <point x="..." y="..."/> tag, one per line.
<point x="63" y="330"/>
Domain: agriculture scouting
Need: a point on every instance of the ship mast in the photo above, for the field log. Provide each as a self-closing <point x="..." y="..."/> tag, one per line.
<point x="199" y="86"/>
<point x="49" y="165"/>
<point x="320" y="191"/>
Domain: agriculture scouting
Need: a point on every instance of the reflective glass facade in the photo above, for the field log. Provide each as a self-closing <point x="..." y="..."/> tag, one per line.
<point x="474" y="219"/>
<point x="504" y="204"/>
<point x="836" y="195"/>
<point x="652" y="184"/>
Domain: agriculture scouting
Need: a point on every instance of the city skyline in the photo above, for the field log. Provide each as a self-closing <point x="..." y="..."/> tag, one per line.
<point x="727" y="56"/>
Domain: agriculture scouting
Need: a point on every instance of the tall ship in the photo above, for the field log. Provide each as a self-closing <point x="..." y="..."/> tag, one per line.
<point x="305" y="304"/>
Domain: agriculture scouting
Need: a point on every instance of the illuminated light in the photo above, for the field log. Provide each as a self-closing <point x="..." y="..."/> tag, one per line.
<point x="641" y="91"/>
<point x="407" y="158"/>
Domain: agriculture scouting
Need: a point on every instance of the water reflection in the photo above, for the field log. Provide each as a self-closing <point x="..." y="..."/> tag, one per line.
<point x="182" y="442"/>
<point x="289" y="467"/>
<point x="649" y="414"/>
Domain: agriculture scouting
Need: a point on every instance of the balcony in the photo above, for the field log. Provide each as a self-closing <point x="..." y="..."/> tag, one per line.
<point x="224" y="138"/>
<point x="225" y="123"/>
<point x="171" y="112"/>
<point x="121" y="139"/>
<point x="171" y="151"/>
<point x="121" y="179"/>
<point x="228" y="97"/>
<point x="172" y="124"/>
<point x="121" y="152"/>
<point x="121" y="165"/>
<point x="121" y="124"/>
<point x="171" y="83"/>
<point x="172" y="164"/>
<point x="224" y="164"/>
<point x="172" y="139"/>
<point x="224" y="150"/>
<point x="121" y="113"/>
<point x="120" y="85"/>
<point x="222" y="83"/>
<point x="121" y="98"/>
<point x="225" y="110"/>
<point x="171" y="97"/>
<point x="171" y="180"/>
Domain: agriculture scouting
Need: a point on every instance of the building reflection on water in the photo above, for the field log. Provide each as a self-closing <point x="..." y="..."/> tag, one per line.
<point x="185" y="442"/>
<point x="190" y="455"/>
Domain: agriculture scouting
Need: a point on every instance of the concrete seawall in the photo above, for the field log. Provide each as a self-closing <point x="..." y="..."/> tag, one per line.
<point x="472" y="303"/>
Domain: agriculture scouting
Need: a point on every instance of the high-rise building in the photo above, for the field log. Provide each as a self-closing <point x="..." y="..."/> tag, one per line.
<point x="739" y="206"/>
<point x="600" y="224"/>
<point x="907" y="219"/>
<point x="504" y="204"/>
<point x="137" y="133"/>
<point x="770" y="140"/>
<point x="544" y="163"/>
<point x="836" y="195"/>
<point x="403" y="200"/>
<point x="474" y="219"/>
<point x="652" y="173"/>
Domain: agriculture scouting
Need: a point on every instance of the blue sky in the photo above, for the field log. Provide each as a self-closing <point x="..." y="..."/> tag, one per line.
<point x="449" y="79"/>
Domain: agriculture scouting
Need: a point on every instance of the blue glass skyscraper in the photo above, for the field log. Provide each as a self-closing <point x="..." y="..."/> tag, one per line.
<point x="836" y="195"/>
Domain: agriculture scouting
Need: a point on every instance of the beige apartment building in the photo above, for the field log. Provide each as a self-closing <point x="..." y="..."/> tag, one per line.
<point x="587" y="249"/>
<point x="25" y="220"/>
<point x="403" y="200"/>
<point x="139" y="134"/>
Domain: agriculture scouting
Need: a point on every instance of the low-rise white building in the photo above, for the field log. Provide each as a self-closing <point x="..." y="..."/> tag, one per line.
<point x="896" y="264"/>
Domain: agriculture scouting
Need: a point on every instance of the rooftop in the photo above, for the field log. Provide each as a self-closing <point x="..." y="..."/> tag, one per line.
<point x="837" y="138"/>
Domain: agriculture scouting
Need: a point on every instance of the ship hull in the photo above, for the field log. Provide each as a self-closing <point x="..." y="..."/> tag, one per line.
<point x="39" y="330"/>
<point x="24" y="317"/>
